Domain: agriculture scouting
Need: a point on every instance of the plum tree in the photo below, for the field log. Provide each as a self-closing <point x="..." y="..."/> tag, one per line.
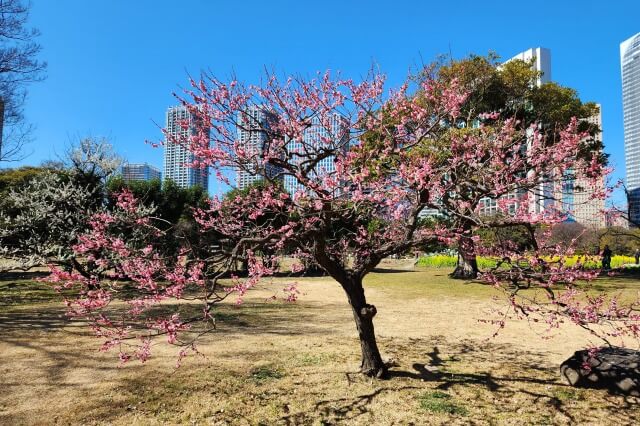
<point x="366" y="164"/>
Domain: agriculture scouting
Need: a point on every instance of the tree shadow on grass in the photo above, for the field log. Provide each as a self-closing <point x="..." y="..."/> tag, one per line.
<point x="17" y="293"/>
<point x="22" y="275"/>
<point x="436" y="373"/>
<point x="504" y="371"/>
<point x="537" y="385"/>
<point x="340" y="409"/>
<point x="25" y="321"/>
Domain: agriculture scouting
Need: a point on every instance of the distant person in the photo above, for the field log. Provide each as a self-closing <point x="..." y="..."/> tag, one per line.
<point x="637" y="256"/>
<point x="606" y="257"/>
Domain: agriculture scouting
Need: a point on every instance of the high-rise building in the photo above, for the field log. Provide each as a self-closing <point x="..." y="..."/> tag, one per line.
<point x="579" y="197"/>
<point x="253" y="135"/>
<point x="573" y="196"/>
<point x="541" y="62"/>
<point x="333" y="133"/>
<point x="136" y="172"/>
<point x="630" y="65"/>
<point x="614" y="219"/>
<point x="177" y="158"/>
<point x="541" y="197"/>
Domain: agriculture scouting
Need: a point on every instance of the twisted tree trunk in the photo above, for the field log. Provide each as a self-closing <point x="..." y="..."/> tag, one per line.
<point x="467" y="267"/>
<point x="363" y="313"/>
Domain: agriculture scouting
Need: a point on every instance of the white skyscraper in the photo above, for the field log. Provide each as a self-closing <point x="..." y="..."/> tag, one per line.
<point x="177" y="157"/>
<point x="253" y="135"/>
<point x="572" y="196"/>
<point x="139" y="172"/>
<point x="630" y="65"/>
<point x="333" y="133"/>
<point x="576" y="196"/>
<point x="542" y="195"/>
<point x="541" y="63"/>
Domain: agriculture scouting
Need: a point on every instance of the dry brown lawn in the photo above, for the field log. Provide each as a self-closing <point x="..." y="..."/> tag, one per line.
<point x="281" y="363"/>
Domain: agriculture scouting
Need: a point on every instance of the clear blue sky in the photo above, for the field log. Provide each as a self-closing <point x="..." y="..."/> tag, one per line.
<point x="113" y="64"/>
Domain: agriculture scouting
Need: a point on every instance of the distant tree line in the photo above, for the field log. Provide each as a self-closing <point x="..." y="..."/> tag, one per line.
<point x="44" y="209"/>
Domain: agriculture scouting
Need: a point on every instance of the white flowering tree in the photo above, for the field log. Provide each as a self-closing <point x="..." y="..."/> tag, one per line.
<point x="40" y="222"/>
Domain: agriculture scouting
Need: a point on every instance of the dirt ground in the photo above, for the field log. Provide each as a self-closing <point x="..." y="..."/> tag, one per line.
<point x="282" y="363"/>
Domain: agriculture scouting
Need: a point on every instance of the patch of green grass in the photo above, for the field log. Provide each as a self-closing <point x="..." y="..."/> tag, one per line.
<point x="23" y="292"/>
<point x="435" y="282"/>
<point x="440" y="402"/>
<point x="545" y="420"/>
<point x="567" y="394"/>
<point x="427" y="282"/>
<point x="314" y="358"/>
<point x="265" y="373"/>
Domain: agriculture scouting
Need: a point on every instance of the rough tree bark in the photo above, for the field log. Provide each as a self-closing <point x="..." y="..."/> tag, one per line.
<point x="363" y="313"/>
<point x="467" y="267"/>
